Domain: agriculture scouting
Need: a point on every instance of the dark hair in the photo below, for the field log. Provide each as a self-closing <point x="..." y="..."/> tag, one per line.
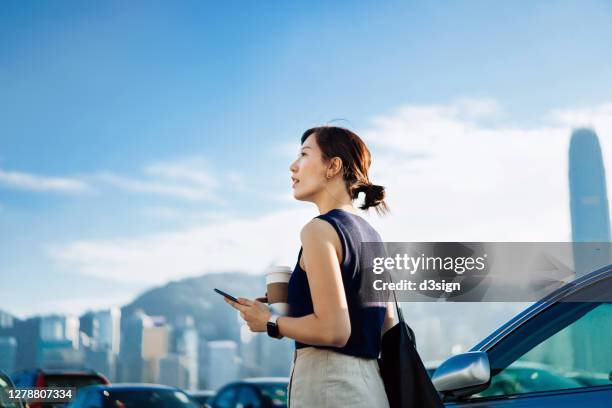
<point x="356" y="160"/>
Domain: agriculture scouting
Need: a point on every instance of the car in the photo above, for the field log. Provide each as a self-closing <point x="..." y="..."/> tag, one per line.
<point x="132" y="396"/>
<point x="6" y="400"/>
<point x="556" y="353"/>
<point x="202" y="396"/>
<point x="55" y="378"/>
<point x="262" y="392"/>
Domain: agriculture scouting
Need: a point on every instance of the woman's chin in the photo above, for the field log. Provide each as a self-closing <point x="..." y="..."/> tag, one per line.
<point x="299" y="196"/>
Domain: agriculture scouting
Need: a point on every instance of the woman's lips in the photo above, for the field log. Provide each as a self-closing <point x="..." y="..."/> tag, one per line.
<point x="294" y="182"/>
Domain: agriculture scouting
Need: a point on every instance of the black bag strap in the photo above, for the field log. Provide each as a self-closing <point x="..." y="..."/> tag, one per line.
<point x="400" y="315"/>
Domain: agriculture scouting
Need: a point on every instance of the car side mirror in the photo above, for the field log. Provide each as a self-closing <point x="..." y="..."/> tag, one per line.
<point x="463" y="374"/>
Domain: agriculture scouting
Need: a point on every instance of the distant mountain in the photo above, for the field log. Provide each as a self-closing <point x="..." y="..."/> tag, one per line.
<point x="214" y="318"/>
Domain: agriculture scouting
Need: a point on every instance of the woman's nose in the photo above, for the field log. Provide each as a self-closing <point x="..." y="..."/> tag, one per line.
<point x="293" y="166"/>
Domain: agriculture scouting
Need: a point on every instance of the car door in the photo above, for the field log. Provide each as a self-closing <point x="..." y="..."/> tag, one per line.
<point x="561" y="357"/>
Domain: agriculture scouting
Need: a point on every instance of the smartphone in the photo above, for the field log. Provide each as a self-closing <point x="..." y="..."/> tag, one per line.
<point x="222" y="293"/>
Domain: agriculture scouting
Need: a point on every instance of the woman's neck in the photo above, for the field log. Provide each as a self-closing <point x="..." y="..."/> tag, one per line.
<point x="327" y="207"/>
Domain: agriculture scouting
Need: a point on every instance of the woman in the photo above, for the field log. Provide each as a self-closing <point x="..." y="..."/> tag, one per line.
<point x="337" y="333"/>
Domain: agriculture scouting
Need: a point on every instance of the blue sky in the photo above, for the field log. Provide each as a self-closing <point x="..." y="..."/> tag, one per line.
<point x="122" y="121"/>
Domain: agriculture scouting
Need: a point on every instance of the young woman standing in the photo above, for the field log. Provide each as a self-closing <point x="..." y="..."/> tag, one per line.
<point x="337" y="333"/>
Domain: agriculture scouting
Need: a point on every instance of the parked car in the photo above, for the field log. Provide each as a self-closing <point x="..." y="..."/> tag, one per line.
<point x="253" y="393"/>
<point x="60" y="378"/>
<point x="5" y="398"/>
<point x="202" y="396"/>
<point x="132" y="396"/>
<point x="556" y="353"/>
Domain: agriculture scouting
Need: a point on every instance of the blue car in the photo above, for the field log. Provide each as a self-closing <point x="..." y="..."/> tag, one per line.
<point x="132" y="396"/>
<point x="262" y="392"/>
<point x="557" y="353"/>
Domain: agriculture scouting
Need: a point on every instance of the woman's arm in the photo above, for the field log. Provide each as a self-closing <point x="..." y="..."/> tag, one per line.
<point x="389" y="317"/>
<point x="329" y="324"/>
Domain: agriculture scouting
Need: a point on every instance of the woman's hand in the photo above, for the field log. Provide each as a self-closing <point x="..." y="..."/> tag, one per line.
<point x="254" y="313"/>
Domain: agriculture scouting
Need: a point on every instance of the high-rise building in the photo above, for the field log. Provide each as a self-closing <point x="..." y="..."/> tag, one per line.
<point x="58" y="344"/>
<point x="155" y="344"/>
<point x="185" y="343"/>
<point x="106" y="330"/>
<point x="223" y="363"/>
<point x="263" y="356"/>
<point x="144" y="342"/>
<point x="6" y="320"/>
<point x="174" y="371"/>
<point x="590" y="225"/>
<point x="60" y="328"/>
<point x="102" y="330"/>
<point x="27" y="333"/>
<point x="8" y="354"/>
<point x="588" y="201"/>
<point x="131" y="362"/>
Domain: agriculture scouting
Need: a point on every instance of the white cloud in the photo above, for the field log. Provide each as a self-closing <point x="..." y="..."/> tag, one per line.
<point x="193" y="170"/>
<point x="189" y="178"/>
<point x="449" y="177"/>
<point x="479" y="182"/>
<point x="239" y="244"/>
<point x="160" y="187"/>
<point x="32" y="182"/>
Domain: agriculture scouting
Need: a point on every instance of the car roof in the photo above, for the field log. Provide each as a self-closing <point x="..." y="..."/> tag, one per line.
<point x="64" y="371"/>
<point x="203" y="393"/>
<point x="267" y="380"/>
<point x="554" y="297"/>
<point x="132" y="386"/>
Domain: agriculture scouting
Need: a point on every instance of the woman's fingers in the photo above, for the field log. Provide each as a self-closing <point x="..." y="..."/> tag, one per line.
<point x="235" y="305"/>
<point x="262" y="299"/>
<point x="244" y="301"/>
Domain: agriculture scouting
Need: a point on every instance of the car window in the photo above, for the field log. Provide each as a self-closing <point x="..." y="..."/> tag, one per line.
<point x="76" y="381"/>
<point x="225" y="398"/>
<point x="248" y="398"/>
<point x="575" y="355"/>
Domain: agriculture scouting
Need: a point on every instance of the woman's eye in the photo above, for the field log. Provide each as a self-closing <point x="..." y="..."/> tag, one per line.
<point x="302" y="154"/>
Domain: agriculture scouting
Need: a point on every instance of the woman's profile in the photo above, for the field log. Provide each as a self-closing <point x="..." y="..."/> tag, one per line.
<point x="337" y="334"/>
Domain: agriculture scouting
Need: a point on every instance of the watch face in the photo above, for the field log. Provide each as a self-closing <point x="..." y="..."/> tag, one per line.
<point x="273" y="330"/>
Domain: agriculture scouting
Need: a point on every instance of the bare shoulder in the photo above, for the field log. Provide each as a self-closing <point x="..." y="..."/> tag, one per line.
<point x="318" y="230"/>
<point x="318" y="236"/>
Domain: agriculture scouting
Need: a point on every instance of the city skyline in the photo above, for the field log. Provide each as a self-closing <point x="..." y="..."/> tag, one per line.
<point x="137" y="154"/>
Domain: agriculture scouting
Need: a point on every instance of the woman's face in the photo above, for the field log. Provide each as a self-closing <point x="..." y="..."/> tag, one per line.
<point x="308" y="171"/>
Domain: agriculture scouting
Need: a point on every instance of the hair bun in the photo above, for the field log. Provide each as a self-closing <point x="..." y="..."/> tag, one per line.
<point x="374" y="196"/>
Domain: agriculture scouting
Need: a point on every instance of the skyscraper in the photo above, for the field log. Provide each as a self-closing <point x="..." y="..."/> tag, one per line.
<point x="223" y="363"/>
<point x="8" y="354"/>
<point x="588" y="201"/>
<point x="590" y="224"/>
<point x="106" y="329"/>
<point x="58" y="344"/>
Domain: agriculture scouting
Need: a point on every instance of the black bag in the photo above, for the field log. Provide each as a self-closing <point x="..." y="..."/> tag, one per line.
<point x="406" y="381"/>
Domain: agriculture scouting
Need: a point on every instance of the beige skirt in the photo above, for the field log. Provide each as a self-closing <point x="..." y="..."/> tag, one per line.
<point x="323" y="378"/>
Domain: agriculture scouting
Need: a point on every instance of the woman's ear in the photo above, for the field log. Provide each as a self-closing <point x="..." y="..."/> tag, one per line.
<point x="334" y="167"/>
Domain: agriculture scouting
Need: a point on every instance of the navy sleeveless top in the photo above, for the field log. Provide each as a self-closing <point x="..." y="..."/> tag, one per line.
<point x="366" y="320"/>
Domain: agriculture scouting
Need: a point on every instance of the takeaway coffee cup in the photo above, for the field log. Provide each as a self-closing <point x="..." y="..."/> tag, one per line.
<point x="277" y="283"/>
